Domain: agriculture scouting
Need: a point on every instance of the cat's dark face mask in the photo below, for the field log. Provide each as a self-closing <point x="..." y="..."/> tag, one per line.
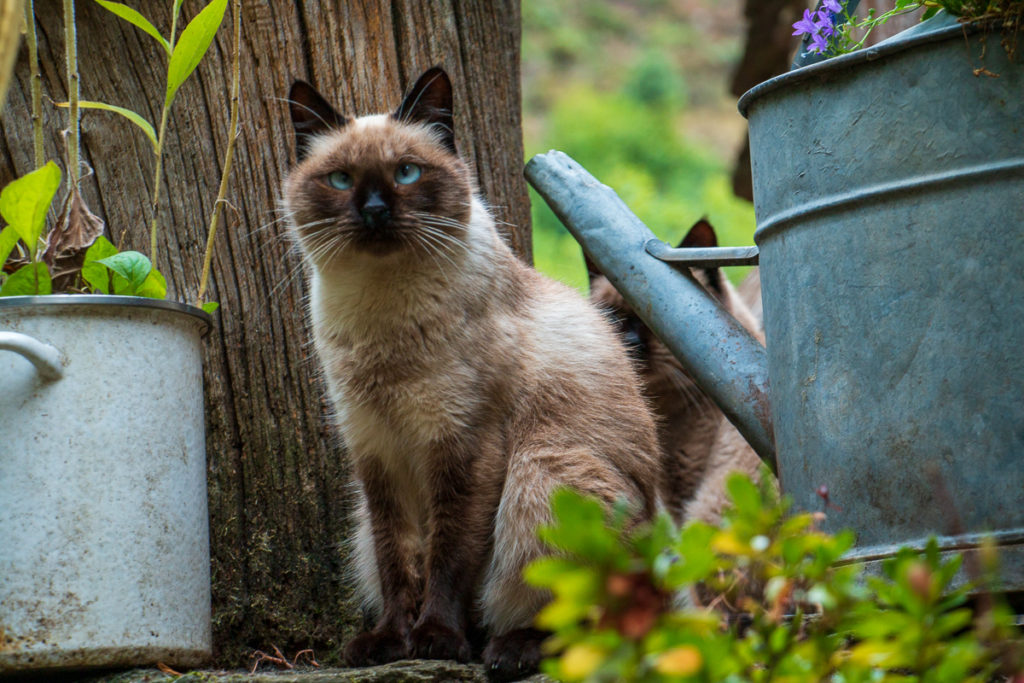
<point x="379" y="184"/>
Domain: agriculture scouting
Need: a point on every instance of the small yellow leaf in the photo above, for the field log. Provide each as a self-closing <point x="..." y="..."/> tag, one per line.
<point x="726" y="542"/>
<point x="684" y="660"/>
<point x="581" y="660"/>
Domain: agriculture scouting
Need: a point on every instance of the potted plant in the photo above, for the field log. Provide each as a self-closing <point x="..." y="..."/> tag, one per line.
<point x="103" y="527"/>
<point x="887" y="190"/>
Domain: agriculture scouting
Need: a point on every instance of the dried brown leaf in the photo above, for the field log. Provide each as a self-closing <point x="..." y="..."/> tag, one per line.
<point x="168" y="670"/>
<point x="77" y="228"/>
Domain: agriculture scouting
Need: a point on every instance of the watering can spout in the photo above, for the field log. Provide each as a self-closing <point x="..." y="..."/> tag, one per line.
<point x="721" y="356"/>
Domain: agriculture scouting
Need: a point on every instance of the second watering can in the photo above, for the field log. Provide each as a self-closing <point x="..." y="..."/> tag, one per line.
<point x="889" y="194"/>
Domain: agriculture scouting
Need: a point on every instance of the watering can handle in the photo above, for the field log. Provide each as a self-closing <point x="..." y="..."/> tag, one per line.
<point x="706" y="257"/>
<point x="720" y="354"/>
<point x="45" y="357"/>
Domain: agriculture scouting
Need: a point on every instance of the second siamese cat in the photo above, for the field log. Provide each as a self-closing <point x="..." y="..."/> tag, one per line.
<point x="699" y="446"/>
<point x="447" y="362"/>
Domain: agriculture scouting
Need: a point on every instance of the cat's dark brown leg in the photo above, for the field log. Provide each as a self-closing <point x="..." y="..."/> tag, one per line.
<point x="461" y="518"/>
<point x="388" y="641"/>
<point x="513" y="655"/>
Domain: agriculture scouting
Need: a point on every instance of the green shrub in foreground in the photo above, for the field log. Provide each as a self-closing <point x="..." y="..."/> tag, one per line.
<point x="805" y="617"/>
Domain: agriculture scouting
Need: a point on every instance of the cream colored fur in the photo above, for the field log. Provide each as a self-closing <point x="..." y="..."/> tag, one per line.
<point x="420" y="348"/>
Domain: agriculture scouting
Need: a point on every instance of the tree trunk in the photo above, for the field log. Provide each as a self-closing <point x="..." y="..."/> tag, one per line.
<point x="768" y="52"/>
<point x="277" y="478"/>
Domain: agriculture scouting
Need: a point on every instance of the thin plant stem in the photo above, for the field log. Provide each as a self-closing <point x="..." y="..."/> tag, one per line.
<point x="71" y="55"/>
<point x="156" y="183"/>
<point x="236" y="9"/>
<point x="158" y="171"/>
<point x="35" y="84"/>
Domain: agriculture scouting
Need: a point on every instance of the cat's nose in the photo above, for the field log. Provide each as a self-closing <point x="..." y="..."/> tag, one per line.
<point x="375" y="211"/>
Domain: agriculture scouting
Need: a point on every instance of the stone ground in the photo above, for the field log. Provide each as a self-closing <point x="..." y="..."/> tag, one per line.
<point x="413" y="671"/>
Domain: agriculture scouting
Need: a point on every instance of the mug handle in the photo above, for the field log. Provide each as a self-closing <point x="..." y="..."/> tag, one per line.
<point x="45" y="357"/>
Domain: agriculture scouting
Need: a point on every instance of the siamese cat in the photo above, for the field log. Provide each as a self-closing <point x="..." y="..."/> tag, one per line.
<point x="465" y="385"/>
<point x="699" y="446"/>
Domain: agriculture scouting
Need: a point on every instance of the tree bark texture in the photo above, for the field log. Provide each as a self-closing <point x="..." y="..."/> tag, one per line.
<point x="277" y="478"/>
<point x="768" y="52"/>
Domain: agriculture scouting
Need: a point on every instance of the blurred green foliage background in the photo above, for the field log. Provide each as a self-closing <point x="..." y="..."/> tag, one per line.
<point x="637" y="92"/>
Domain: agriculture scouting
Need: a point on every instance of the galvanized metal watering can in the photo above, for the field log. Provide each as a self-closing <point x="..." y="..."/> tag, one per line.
<point x="889" y="194"/>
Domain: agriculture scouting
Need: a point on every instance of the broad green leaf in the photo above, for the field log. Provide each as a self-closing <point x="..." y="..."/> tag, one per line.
<point x="33" y="278"/>
<point x="210" y="306"/>
<point x="743" y="494"/>
<point x="546" y="571"/>
<point x="132" y="266"/>
<point x="154" y="286"/>
<point x="581" y="528"/>
<point x="137" y="119"/>
<point x="8" y="238"/>
<point x="192" y="45"/>
<point x="133" y="17"/>
<point x="95" y="274"/>
<point x="25" y="201"/>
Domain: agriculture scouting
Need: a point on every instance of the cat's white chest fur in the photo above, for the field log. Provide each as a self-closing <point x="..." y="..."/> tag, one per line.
<point x="395" y="386"/>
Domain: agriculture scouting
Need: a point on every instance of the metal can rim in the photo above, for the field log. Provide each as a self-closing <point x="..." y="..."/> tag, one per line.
<point x="894" y="45"/>
<point x="102" y="300"/>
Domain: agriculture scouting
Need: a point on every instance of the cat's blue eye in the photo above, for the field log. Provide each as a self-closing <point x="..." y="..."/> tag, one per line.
<point x="407" y="174"/>
<point x="339" y="180"/>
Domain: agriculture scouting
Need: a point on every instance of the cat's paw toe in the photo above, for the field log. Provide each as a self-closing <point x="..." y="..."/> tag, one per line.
<point x="375" y="647"/>
<point x="433" y="640"/>
<point x="513" y="655"/>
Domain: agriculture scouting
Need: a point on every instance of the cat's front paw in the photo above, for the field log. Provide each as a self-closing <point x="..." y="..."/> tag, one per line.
<point x="431" y="639"/>
<point x="513" y="655"/>
<point x="375" y="647"/>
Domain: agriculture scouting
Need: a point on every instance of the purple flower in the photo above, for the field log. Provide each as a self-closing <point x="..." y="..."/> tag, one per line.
<point x="805" y="25"/>
<point x="819" y="43"/>
<point x="832" y="6"/>
<point x="824" y="24"/>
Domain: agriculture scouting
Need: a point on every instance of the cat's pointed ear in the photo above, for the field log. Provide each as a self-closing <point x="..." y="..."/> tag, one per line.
<point x="311" y="116"/>
<point x="429" y="101"/>
<point x="702" y="235"/>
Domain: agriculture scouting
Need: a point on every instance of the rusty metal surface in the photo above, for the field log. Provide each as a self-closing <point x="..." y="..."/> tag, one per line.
<point x="716" y="350"/>
<point x="889" y="194"/>
<point x="104" y="551"/>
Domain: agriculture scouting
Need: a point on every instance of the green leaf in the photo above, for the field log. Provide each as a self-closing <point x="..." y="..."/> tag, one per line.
<point x="192" y="45"/>
<point x="546" y="571"/>
<point x="137" y="119"/>
<point x="210" y="306"/>
<point x="8" y="238"/>
<point x="96" y="274"/>
<point x="133" y="17"/>
<point x="132" y="266"/>
<point x="33" y="278"/>
<point x="25" y="201"/>
<point x="929" y="13"/>
<point x="580" y="528"/>
<point x="154" y="286"/>
<point x="744" y="494"/>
